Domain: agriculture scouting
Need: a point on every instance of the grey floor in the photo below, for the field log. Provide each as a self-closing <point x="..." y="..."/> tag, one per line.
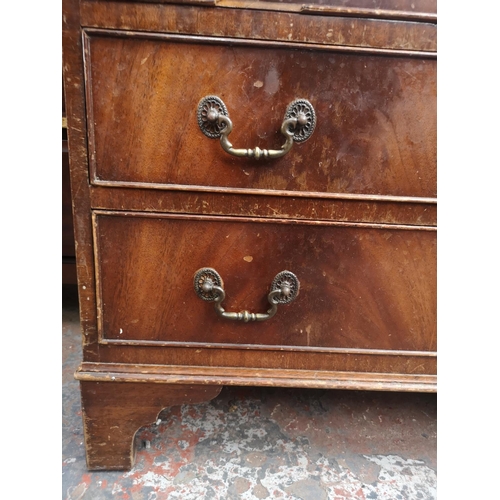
<point x="257" y="443"/>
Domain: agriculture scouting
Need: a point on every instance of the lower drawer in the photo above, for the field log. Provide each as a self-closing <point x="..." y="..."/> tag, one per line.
<point x="361" y="286"/>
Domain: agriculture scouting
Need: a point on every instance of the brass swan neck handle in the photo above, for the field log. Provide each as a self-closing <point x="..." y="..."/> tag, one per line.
<point x="298" y="125"/>
<point x="208" y="286"/>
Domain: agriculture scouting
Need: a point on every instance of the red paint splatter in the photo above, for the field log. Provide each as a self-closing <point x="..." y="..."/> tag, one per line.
<point x="87" y="479"/>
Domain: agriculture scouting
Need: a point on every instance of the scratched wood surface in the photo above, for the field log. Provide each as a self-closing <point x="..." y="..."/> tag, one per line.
<point x="370" y="209"/>
<point x="74" y="93"/>
<point x="347" y="33"/>
<point x="112" y="416"/>
<point x="416" y="6"/>
<point x="142" y="199"/>
<point x="360" y="287"/>
<point x="375" y="132"/>
<point x="352" y="211"/>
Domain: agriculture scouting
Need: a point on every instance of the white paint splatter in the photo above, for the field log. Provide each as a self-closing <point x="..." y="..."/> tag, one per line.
<point x="154" y="480"/>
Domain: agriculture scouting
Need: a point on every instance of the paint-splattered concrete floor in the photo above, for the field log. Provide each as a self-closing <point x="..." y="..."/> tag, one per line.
<point x="257" y="443"/>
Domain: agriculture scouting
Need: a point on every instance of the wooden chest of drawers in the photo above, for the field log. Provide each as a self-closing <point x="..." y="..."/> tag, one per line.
<point x="254" y="189"/>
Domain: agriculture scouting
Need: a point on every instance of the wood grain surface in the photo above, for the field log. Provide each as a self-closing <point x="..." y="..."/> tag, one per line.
<point x="311" y="26"/>
<point x="74" y="92"/>
<point x="344" y="208"/>
<point x="112" y="414"/>
<point x="361" y="287"/>
<point x="375" y="132"/>
<point x="352" y="211"/>
<point x="240" y="376"/>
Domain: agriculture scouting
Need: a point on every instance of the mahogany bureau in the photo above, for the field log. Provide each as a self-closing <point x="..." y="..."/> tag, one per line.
<point x="254" y="198"/>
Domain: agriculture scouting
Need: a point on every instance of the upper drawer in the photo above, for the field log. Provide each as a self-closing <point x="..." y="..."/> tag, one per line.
<point x="375" y="116"/>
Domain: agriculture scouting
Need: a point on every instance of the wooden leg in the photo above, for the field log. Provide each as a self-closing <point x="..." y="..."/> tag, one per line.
<point x="114" y="411"/>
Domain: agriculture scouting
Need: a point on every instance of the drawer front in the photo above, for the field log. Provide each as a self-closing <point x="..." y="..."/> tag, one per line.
<point x="361" y="287"/>
<point x="375" y="128"/>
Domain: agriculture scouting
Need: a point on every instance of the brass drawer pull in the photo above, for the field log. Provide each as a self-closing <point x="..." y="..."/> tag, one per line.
<point x="208" y="286"/>
<point x="298" y="125"/>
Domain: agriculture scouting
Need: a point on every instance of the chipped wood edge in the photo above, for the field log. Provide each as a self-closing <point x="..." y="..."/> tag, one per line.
<point x="164" y="374"/>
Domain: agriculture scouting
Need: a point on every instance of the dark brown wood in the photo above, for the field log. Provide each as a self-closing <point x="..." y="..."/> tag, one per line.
<point x="424" y="10"/>
<point x="369" y="139"/>
<point x="114" y="412"/>
<point x="399" y="15"/>
<point x="417" y="7"/>
<point x="68" y="238"/>
<point x="113" y="372"/>
<point x="381" y="362"/>
<point x="352" y="211"/>
<point x="69" y="271"/>
<point x="361" y="286"/>
<point x="342" y="208"/>
<point x="346" y="32"/>
<point x="74" y="91"/>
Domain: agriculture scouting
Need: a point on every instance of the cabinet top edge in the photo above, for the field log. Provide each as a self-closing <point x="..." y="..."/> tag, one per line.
<point x="423" y="11"/>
